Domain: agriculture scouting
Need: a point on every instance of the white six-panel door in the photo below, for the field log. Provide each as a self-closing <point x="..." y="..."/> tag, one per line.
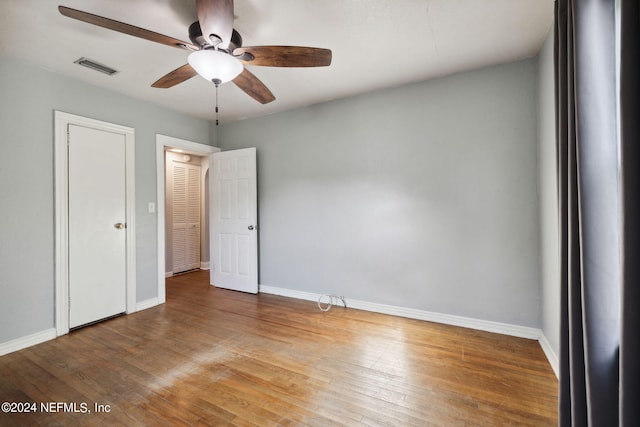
<point x="97" y="224"/>
<point x="234" y="228"/>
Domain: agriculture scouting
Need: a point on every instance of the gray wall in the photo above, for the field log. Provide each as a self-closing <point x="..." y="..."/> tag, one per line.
<point x="423" y="196"/>
<point x="549" y="265"/>
<point x="29" y="97"/>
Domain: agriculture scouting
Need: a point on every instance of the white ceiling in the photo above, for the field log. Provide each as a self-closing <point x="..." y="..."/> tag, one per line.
<point x="375" y="44"/>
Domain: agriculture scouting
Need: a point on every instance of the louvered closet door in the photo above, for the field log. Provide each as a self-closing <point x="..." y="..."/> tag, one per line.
<point x="186" y="217"/>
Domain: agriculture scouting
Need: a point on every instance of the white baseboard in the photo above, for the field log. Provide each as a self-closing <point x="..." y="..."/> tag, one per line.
<point x="551" y="355"/>
<point x="449" y="319"/>
<point x="143" y="305"/>
<point x="49" y="334"/>
<point x="28" y="341"/>
<point x="291" y="293"/>
<point x="204" y="265"/>
<point x="168" y="274"/>
<point x="412" y="313"/>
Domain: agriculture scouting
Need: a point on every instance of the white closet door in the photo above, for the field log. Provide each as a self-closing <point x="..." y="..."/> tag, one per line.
<point x="97" y="230"/>
<point x="186" y="217"/>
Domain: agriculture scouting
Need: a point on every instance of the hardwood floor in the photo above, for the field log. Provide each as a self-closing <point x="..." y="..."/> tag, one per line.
<point x="216" y="357"/>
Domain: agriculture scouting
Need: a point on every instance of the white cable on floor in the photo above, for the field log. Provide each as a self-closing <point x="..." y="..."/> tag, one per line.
<point x="333" y="299"/>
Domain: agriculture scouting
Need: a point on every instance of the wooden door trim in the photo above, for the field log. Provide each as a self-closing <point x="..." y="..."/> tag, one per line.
<point x="163" y="142"/>
<point x="61" y="200"/>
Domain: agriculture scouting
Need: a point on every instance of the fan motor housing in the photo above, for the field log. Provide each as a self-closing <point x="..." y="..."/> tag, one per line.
<point x="196" y="37"/>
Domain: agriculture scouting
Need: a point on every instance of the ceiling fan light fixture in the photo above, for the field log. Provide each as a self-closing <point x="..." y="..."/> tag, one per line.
<point x="214" y="65"/>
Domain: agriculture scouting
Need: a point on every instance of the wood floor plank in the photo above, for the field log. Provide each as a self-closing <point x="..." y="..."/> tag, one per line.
<point x="216" y="357"/>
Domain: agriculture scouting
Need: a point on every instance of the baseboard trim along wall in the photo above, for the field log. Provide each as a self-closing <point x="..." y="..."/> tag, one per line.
<point x="551" y="355"/>
<point x="204" y="265"/>
<point x="448" y="319"/>
<point x="28" y="341"/>
<point x="143" y="305"/>
<point x="49" y="334"/>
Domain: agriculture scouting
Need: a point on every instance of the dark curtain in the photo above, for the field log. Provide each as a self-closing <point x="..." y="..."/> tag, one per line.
<point x="630" y="160"/>
<point x="599" y="203"/>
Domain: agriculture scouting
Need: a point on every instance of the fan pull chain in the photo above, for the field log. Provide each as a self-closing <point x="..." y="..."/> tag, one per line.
<point x="217" y="83"/>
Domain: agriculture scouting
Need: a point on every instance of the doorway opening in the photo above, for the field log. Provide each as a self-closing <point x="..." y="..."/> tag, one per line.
<point x="180" y="149"/>
<point x="186" y="220"/>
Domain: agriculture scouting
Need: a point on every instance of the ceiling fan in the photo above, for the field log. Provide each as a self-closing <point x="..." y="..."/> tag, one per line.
<point x="216" y="49"/>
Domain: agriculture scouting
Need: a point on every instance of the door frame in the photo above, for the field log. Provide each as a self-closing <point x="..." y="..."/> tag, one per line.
<point x="61" y="199"/>
<point x="189" y="147"/>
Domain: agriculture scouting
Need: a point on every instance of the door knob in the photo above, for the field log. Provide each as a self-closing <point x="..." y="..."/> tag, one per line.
<point x="251" y="227"/>
<point x="120" y="225"/>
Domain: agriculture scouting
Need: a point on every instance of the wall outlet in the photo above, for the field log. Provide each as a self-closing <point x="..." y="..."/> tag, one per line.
<point x="152" y="207"/>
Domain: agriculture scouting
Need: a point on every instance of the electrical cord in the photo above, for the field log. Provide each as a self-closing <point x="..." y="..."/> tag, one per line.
<point x="333" y="300"/>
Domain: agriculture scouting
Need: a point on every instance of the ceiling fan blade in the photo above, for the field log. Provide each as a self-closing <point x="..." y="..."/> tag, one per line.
<point x="216" y="19"/>
<point x="284" y="56"/>
<point x="175" y="77"/>
<point x="124" y="28"/>
<point x="253" y="87"/>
